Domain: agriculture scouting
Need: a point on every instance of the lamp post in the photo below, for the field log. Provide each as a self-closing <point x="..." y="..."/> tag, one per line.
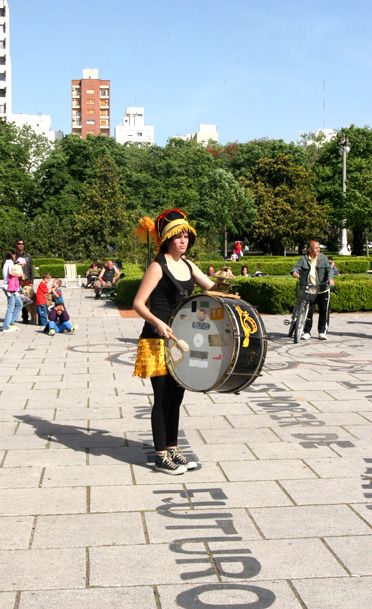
<point x="344" y="151"/>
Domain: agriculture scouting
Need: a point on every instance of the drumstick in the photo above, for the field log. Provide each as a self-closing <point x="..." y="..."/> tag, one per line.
<point x="181" y="344"/>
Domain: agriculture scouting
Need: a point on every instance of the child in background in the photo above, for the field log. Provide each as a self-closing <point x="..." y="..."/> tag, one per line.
<point x="59" y="321"/>
<point x="57" y="296"/>
<point x="42" y="290"/>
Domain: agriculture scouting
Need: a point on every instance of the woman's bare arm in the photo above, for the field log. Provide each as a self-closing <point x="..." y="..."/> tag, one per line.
<point x="148" y="284"/>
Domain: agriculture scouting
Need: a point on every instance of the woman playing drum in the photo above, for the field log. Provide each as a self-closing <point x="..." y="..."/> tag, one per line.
<point x="168" y="279"/>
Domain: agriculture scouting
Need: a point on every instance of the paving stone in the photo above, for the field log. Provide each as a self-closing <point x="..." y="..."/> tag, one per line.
<point x="331" y="593"/>
<point x="88" y="530"/>
<point x="287" y="450"/>
<point x="42" y="501"/>
<point x="315" y="492"/>
<point x="7" y="600"/>
<point x="42" y="569"/>
<point x="15" y="532"/>
<point x="221" y="452"/>
<point x="295" y="434"/>
<point x="284" y="469"/>
<point x="345" y="405"/>
<point x="337" y="467"/>
<point x="133" y="498"/>
<point x="237" y="494"/>
<point x="313" y="521"/>
<point x="360" y="432"/>
<point x="354" y="552"/>
<point x="92" y="475"/>
<point x="37" y="458"/>
<point x="365" y="510"/>
<point x="225" y="595"/>
<point x="25" y="477"/>
<point x="104" y="598"/>
<point x="229" y="436"/>
<point x="120" y="566"/>
<point x="22" y="442"/>
<point x="168" y="521"/>
<point x="282" y="558"/>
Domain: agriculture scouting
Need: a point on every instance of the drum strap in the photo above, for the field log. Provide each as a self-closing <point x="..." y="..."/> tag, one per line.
<point x="180" y="289"/>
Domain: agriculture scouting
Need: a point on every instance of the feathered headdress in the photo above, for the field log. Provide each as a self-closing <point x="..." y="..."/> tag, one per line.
<point x="169" y="223"/>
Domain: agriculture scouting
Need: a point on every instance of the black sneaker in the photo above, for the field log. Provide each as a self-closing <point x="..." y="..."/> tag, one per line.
<point x="179" y="459"/>
<point x="163" y="463"/>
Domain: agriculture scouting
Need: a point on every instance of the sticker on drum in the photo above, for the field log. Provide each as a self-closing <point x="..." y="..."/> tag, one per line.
<point x="198" y="359"/>
<point x="198" y="340"/>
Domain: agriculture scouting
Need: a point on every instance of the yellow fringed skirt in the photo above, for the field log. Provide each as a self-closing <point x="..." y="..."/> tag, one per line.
<point x="150" y="360"/>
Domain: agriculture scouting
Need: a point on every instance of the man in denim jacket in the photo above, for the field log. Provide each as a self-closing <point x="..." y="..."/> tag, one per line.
<point x="315" y="268"/>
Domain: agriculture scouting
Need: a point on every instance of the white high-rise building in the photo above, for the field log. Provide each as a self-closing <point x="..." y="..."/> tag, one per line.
<point x="207" y="132"/>
<point x="40" y="123"/>
<point x="5" y="67"/>
<point x="133" y="128"/>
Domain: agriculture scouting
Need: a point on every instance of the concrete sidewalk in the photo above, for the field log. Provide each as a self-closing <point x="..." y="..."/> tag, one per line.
<point x="278" y="515"/>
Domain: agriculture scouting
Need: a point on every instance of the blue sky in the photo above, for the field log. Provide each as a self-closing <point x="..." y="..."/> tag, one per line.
<point x="255" y="68"/>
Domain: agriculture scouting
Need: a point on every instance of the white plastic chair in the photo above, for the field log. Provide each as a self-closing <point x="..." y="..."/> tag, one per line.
<point x="71" y="276"/>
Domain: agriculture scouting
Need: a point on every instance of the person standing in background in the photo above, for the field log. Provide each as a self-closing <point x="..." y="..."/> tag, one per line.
<point x="28" y="274"/>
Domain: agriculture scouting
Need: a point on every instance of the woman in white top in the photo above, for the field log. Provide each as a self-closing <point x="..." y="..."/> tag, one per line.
<point x="15" y="304"/>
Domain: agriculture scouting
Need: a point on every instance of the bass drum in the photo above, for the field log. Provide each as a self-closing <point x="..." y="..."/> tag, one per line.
<point x="226" y="341"/>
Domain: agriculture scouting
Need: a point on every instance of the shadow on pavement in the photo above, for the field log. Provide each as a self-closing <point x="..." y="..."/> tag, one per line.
<point x="94" y="442"/>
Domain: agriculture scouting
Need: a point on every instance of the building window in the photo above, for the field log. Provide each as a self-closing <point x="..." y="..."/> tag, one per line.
<point x="90" y="91"/>
<point x="90" y="102"/>
<point x="90" y="122"/>
<point x="90" y="112"/>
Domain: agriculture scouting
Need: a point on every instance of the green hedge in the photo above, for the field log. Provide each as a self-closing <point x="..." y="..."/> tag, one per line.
<point x="43" y="261"/>
<point x="276" y="295"/>
<point x="280" y="265"/>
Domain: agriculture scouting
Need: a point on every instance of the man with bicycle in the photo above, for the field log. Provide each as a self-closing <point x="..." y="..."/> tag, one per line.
<point x="314" y="268"/>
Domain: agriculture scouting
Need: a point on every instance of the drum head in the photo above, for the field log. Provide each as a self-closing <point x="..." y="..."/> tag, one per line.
<point x="218" y="344"/>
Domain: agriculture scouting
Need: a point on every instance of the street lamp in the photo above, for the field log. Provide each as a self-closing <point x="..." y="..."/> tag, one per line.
<point x="344" y="151"/>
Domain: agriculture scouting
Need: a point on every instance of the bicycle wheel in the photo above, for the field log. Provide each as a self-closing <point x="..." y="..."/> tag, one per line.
<point x="292" y="323"/>
<point x="301" y="319"/>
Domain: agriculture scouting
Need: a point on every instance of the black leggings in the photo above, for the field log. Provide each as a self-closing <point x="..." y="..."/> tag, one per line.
<point x="165" y="411"/>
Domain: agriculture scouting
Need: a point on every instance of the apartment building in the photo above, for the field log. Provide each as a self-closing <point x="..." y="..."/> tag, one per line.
<point x="5" y="67"/>
<point x="207" y="132"/>
<point x="41" y="124"/>
<point x="90" y="105"/>
<point x="133" y="128"/>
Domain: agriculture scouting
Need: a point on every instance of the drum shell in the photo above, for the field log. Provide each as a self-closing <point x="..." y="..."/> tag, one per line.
<point x="248" y="350"/>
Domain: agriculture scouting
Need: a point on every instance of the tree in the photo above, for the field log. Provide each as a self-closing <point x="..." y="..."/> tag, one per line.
<point x="102" y="220"/>
<point x="356" y="207"/>
<point x="287" y="210"/>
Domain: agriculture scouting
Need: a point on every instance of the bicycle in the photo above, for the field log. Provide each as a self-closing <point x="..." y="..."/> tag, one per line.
<point x="306" y="295"/>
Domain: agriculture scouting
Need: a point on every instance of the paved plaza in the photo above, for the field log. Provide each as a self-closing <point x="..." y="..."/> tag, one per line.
<point x="277" y="515"/>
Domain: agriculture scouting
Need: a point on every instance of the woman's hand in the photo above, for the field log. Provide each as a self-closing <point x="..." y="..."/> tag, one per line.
<point x="162" y="328"/>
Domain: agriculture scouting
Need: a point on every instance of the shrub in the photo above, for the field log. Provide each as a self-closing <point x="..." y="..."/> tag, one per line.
<point x="43" y="261"/>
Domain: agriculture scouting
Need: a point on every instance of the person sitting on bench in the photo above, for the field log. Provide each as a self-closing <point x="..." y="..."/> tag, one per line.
<point x="107" y="277"/>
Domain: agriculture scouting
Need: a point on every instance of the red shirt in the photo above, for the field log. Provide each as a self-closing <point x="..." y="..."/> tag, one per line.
<point x="41" y="293"/>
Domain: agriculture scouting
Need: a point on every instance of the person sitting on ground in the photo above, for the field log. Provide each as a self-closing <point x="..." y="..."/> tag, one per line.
<point x="244" y="271"/>
<point x="41" y="299"/>
<point x="107" y="277"/>
<point x="92" y="274"/>
<point x="59" y="321"/>
<point x="57" y="296"/>
<point x="210" y="271"/>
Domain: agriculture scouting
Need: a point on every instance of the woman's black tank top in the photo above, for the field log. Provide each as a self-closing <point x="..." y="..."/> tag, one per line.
<point x="166" y="296"/>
